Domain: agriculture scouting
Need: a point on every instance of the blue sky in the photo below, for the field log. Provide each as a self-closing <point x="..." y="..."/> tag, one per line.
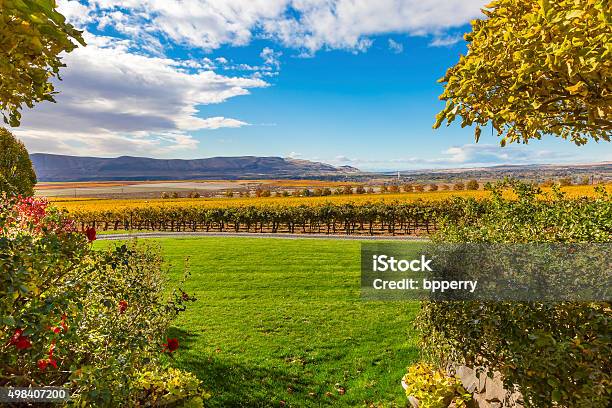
<point x="348" y="82"/>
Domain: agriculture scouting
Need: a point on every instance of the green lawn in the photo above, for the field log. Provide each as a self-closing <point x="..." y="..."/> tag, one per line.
<point x="281" y="320"/>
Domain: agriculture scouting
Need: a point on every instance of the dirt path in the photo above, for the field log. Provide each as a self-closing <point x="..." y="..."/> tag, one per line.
<point x="256" y="235"/>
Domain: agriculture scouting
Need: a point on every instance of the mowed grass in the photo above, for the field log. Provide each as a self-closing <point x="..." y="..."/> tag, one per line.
<point x="280" y="323"/>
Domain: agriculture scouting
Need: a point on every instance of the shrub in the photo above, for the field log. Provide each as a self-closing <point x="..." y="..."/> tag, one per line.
<point x="547" y="183"/>
<point x="433" y="187"/>
<point x="168" y="388"/>
<point x="459" y="186"/>
<point x="174" y="194"/>
<point x="408" y="188"/>
<point x="229" y="193"/>
<point x="317" y="192"/>
<point x="194" y="194"/>
<point x="394" y="188"/>
<point x="384" y="189"/>
<point x="370" y="190"/>
<point x="557" y="353"/>
<point x="433" y="388"/>
<point x="360" y="190"/>
<point x="16" y="172"/>
<point x="472" y="185"/>
<point x="327" y="191"/>
<point x="419" y="188"/>
<point x="565" y="181"/>
<point x="70" y="316"/>
<point x="445" y="187"/>
<point x="347" y="190"/>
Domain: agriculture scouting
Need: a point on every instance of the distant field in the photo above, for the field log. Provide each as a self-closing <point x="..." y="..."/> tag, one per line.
<point x="77" y="204"/>
<point x="152" y="189"/>
<point x="115" y="204"/>
<point x="282" y="320"/>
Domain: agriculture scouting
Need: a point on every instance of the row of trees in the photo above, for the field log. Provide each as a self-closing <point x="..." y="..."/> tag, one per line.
<point x="392" y="218"/>
<point x="346" y="190"/>
<point x="370" y="218"/>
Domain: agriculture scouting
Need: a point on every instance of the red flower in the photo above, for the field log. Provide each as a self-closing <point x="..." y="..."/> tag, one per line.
<point x="20" y="341"/>
<point x="171" y="346"/>
<point x="23" y="343"/>
<point x="16" y="336"/>
<point x="91" y="234"/>
<point x="122" y="306"/>
<point x="62" y="325"/>
<point x="42" y="364"/>
<point x="53" y="362"/>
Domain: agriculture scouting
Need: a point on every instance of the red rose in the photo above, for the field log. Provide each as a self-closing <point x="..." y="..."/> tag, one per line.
<point x="16" y="336"/>
<point x="20" y="341"/>
<point x="23" y="343"/>
<point x="91" y="234"/>
<point x="122" y="306"/>
<point x="171" y="346"/>
<point x="42" y="365"/>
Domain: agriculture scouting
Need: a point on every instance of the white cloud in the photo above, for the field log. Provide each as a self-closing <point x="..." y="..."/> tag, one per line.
<point x="309" y="25"/>
<point x="469" y="155"/>
<point x="112" y="99"/>
<point x="446" y="40"/>
<point x="124" y="95"/>
<point x="271" y="57"/>
<point x="75" y="12"/>
<point x="395" y="46"/>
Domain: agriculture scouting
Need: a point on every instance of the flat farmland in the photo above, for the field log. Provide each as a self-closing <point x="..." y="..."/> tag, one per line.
<point x="106" y="204"/>
<point x="154" y="189"/>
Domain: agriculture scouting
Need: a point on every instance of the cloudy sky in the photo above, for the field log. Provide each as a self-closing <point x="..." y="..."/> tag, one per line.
<point x="341" y="81"/>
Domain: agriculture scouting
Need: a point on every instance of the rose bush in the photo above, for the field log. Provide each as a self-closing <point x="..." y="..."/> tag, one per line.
<point x="92" y="321"/>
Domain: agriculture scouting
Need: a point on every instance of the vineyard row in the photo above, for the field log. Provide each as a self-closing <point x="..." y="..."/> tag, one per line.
<point x="369" y="219"/>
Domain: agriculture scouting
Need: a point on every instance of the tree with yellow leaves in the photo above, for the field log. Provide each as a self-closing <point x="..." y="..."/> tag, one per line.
<point x="32" y="35"/>
<point x="535" y="67"/>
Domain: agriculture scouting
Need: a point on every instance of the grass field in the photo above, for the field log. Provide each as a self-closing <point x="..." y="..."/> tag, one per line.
<point x="281" y="322"/>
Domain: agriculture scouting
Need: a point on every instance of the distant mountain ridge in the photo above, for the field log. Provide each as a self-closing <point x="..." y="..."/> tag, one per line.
<point x="54" y="167"/>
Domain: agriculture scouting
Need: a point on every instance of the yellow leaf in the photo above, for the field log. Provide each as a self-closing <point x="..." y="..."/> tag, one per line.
<point x="574" y="14"/>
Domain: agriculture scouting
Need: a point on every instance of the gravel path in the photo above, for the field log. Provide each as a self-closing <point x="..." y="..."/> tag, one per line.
<point x="256" y="235"/>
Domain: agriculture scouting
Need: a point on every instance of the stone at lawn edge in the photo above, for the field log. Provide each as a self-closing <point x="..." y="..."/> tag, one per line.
<point x="468" y="378"/>
<point x="495" y="388"/>
<point x="482" y="382"/>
